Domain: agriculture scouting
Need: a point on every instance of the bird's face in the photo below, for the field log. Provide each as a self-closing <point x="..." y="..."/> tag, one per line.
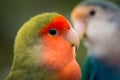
<point x="60" y="28"/>
<point x="59" y="41"/>
<point x="96" y="26"/>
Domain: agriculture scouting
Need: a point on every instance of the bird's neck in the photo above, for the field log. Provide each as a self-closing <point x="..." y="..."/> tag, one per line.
<point x="70" y="72"/>
<point x="108" y="57"/>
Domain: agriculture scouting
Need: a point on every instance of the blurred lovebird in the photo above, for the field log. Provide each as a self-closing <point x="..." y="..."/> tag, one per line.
<point x="45" y="50"/>
<point x="98" y="24"/>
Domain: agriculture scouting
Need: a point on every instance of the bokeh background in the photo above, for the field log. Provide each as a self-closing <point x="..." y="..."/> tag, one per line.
<point x="13" y="13"/>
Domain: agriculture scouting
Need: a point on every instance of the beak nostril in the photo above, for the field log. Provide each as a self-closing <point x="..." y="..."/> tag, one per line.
<point x="72" y="45"/>
<point x="68" y="28"/>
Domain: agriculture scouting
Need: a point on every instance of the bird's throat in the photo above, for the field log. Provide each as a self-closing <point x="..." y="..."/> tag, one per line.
<point x="70" y="72"/>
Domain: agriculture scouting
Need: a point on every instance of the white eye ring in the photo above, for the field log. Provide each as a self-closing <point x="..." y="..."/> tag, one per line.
<point x="53" y="32"/>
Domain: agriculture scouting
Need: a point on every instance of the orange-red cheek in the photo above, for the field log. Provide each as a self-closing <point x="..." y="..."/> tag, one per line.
<point x="57" y="52"/>
<point x="58" y="55"/>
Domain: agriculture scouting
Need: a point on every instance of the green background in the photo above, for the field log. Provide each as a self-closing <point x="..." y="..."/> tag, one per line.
<point x="13" y="13"/>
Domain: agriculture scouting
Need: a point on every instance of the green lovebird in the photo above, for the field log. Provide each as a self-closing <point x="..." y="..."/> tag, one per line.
<point x="45" y="50"/>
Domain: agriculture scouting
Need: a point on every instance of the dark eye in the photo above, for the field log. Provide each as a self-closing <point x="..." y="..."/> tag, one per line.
<point x="92" y="13"/>
<point x="53" y="32"/>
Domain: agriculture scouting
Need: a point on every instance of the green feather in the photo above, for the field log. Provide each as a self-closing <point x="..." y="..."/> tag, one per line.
<point x="26" y="62"/>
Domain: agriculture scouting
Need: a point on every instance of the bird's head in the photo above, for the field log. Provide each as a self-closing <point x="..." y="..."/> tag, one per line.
<point x="97" y="22"/>
<point x="47" y="41"/>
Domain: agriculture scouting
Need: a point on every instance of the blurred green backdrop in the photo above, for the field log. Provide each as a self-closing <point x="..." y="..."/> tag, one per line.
<point x="13" y="13"/>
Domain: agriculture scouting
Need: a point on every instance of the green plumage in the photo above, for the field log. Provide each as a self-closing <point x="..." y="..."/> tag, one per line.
<point x="26" y="62"/>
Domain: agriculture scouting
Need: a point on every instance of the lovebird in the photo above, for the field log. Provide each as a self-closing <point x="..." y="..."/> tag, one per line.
<point x="98" y="25"/>
<point x="44" y="49"/>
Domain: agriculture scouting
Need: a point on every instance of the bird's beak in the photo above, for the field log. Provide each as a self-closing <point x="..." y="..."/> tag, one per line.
<point x="72" y="37"/>
<point x="78" y="16"/>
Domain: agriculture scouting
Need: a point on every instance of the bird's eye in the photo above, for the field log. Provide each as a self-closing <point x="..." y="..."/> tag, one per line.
<point x="53" y="32"/>
<point x="92" y="13"/>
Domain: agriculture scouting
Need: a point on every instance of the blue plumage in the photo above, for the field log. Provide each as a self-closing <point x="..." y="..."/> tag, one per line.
<point x="95" y="69"/>
<point x="102" y="71"/>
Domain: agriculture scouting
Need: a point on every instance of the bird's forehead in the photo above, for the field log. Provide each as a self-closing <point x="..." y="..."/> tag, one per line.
<point x="60" y="23"/>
